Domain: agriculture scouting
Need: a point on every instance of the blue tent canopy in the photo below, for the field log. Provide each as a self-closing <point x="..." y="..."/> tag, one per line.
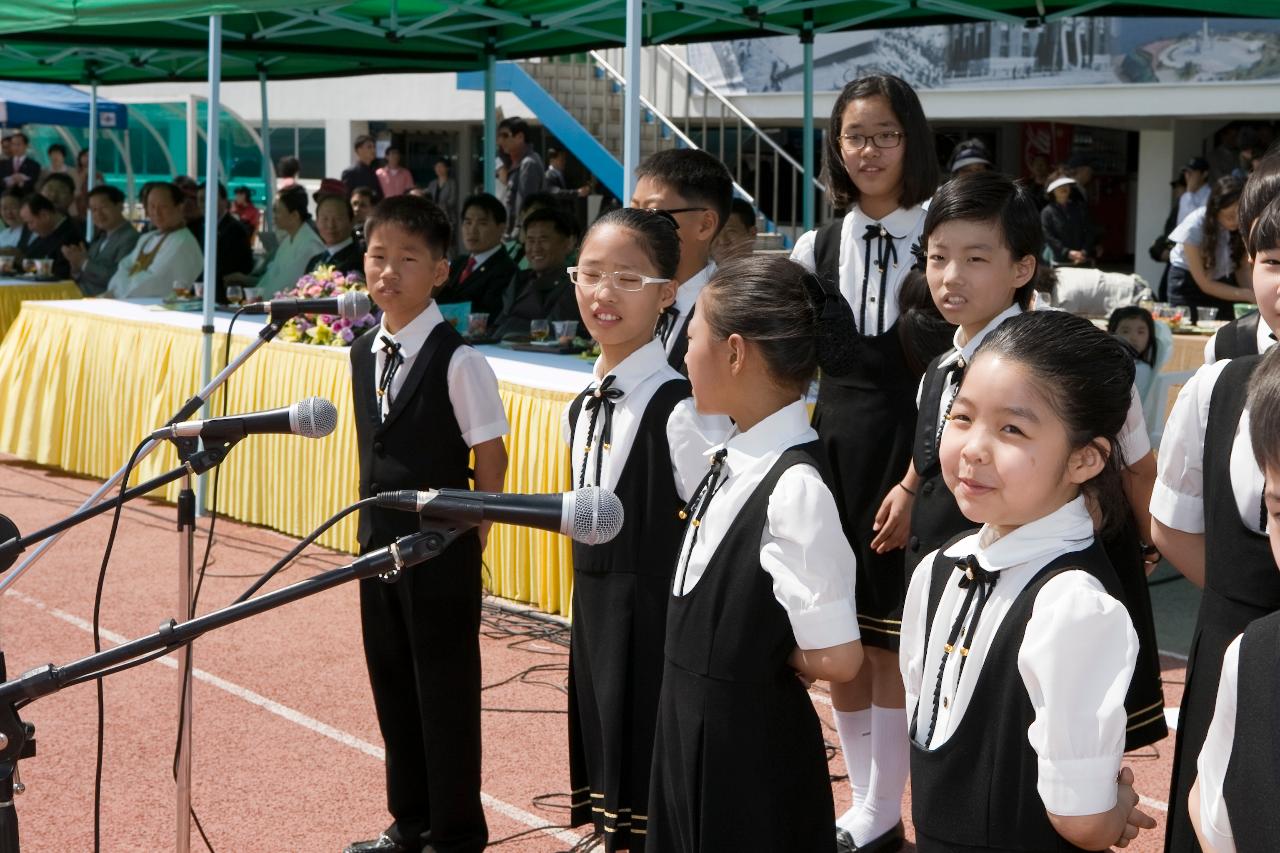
<point x="46" y="103"/>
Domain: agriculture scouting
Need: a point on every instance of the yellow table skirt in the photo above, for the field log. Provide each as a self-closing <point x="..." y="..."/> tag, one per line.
<point x="79" y="392"/>
<point x="13" y="295"/>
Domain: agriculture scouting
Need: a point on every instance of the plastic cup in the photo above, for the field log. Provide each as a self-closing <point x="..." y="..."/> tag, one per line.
<point x="477" y="324"/>
<point x="252" y="294"/>
<point x="565" y="330"/>
<point x="1206" y="317"/>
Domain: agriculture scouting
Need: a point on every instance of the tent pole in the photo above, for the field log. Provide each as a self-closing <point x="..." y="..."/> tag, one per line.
<point x="489" y="153"/>
<point x="631" y="102"/>
<point x="268" y="184"/>
<point x="806" y="38"/>
<point x="93" y="151"/>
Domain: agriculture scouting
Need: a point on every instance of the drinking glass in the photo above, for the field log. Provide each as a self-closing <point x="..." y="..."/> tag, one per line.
<point x="235" y="294"/>
<point x="1206" y="317"/>
<point x="539" y="330"/>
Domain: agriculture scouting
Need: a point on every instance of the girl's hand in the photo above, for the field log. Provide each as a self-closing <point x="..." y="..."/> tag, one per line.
<point x="893" y="520"/>
<point x="1127" y="802"/>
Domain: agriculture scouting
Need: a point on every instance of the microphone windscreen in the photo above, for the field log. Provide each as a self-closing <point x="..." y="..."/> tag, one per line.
<point x="8" y="531"/>
<point x="354" y="304"/>
<point x="597" y="516"/>
<point x="316" y="417"/>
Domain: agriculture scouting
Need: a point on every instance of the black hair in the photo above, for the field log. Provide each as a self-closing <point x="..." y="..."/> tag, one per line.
<point x="1130" y="312"/>
<point x="1086" y="378"/>
<point x="59" y="147"/>
<point x="656" y="233"/>
<point x="919" y="164"/>
<point x="18" y="133"/>
<point x="1264" y="412"/>
<point x="113" y="195"/>
<point x="342" y="200"/>
<point x="364" y="191"/>
<point x="1265" y="235"/>
<point x="695" y="176"/>
<point x="17" y="193"/>
<point x="362" y="139"/>
<point x="489" y="204"/>
<point x="1226" y="192"/>
<point x="782" y="308"/>
<point x="515" y="125"/>
<point x="744" y="211"/>
<point x="222" y="189"/>
<point x="294" y="200"/>
<point x="539" y="199"/>
<point x="60" y="178"/>
<point x="560" y="221"/>
<point x="1259" y="190"/>
<point x="395" y="148"/>
<point x="1009" y="205"/>
<point x="553" y="152"/>
<point x="38" y="204"/>
<point x="176" y="195"/>
<point x="288" y="167"/>
<point x="244" y="191"/>
<point x="418" y="216"/>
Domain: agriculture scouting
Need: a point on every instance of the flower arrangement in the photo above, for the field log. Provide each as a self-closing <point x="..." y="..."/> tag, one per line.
<point x="327" y="330"/>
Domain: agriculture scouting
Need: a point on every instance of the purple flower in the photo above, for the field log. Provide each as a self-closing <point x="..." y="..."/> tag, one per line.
<point x="347" y="335"/>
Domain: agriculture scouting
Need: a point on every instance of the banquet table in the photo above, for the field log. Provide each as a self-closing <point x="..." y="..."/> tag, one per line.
<point x="84" y="381"/>
<point x="14" y="290"/>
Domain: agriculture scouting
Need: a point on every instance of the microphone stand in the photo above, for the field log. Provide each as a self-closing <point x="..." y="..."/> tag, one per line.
<point x="17" y="738"/>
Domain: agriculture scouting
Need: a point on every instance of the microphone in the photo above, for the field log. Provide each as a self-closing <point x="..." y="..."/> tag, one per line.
<point x="350" y="306"/>
<point x="591" y="515"/>
<point x="314" y="417"/>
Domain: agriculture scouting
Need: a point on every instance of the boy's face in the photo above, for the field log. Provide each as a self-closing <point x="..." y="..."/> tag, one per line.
<point x="1271" y="498"/>
<point x="402" y="271"/>
<point x="480" y="232"/>
<point x="1266" y="286"/>
<point x="972" y="274"/>
<point x="698" y="225"/>
<point x="545" y="247"/>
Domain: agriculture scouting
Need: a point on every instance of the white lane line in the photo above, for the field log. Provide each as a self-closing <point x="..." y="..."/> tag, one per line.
<point x="297" y="717"/>
<point x="1153" y="804"/>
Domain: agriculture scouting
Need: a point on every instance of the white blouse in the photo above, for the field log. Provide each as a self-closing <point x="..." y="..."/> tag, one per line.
<point x="1076" y="658"/>
<point x="904" y="225"/>
<point x="689" y="434"/>
<point x="473" y="387"/>
<point x="686" y="297"/>
<point x="177" y="259"/>
<point x="1178" y="498"/>
<point x="1216" y="754"/>
<point x="290" y="260"/>
<point x="802" y="547"/>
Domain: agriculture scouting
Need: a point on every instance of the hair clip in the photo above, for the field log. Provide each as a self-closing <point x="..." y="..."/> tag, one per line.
<point x="917" y="252"/>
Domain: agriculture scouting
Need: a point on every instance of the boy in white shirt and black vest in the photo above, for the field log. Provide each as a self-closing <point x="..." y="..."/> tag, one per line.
<point x="425" y="402"/>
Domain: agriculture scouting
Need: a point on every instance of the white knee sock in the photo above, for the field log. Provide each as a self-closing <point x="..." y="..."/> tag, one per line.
<point x="854" y="728"/>
<point x="890" y="764"/>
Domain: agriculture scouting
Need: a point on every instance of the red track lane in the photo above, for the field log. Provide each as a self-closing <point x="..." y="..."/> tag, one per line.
<point x="287" y="752"/>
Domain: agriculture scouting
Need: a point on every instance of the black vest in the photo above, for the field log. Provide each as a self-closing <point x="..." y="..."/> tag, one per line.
<point x="419" y="445"/>
<point x="935" y="515"/>
<point x="1237" y="338"/>
<point x="1253" y="772"/>
<point x="977" y="791"/>
<point x="1238" y="561"/>
<point x="650" y="538"/>
<point x="681" y="347"/>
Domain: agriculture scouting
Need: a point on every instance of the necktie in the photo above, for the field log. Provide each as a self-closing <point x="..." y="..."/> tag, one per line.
<point x="978" y="583"/>
<point x="888" y="253"/>
<point x="392" y="359"/>
<point x="467" y="270"/>
<point x="701" y="500"/>
<point x="604" y="398"/>
<point x="667" y="322"/>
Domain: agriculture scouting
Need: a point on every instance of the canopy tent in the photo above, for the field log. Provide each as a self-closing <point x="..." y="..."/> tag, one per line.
<point x="47" y="103"/>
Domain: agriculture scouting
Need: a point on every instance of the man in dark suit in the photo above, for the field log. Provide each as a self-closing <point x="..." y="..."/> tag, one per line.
<point x="364" y="173"/>
<point x="481" y="276"/>
<point x="46" y="232"/>
<point x="544" y="291"/>
<point x="333" y="223"/>
<point x="19" y="170"/>
<point x="234" y="252"/>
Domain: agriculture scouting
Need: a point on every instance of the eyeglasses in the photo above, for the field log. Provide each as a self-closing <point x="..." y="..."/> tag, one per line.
<point x="627" y="282"/>
<point x="672" y="211"/>
<point x="852" y="142"/>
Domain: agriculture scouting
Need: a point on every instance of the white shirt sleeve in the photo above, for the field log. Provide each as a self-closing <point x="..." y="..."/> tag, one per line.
<point x="912" y="640"/>
<point x="1133" y="438"/>
<point x="1216" y="753"/>
<point x="810" y="560"/>
<point x="1076" y="660"/>
<point x="473" y="391"/>
<point x="1178" y="498"/>
<point x="803" y="253"/>
<point x="1210" y="353"/>
<point x="691" y="437"/>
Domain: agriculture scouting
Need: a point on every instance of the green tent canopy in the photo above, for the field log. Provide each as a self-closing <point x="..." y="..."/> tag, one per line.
<point x="121" y="41"/>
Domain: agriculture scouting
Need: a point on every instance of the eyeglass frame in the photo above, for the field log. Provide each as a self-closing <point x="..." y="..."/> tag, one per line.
<point x="846" y="140"/>
<point x="612" y="279"/>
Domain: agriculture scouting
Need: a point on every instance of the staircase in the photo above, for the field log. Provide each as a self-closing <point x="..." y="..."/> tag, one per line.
<point x="579" y="99"/>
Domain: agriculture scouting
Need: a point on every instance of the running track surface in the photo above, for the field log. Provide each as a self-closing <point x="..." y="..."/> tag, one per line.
<point x="287" y="754"/>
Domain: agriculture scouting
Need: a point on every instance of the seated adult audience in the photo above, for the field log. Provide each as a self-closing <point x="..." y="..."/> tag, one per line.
<point x="299" y="243"/>
<point x="57" y="154"/>
<point x="481" y="275"/>
<point x="537" y="201"/>
<point x="1068" y="229"/>
<point x="737" y="238"/>
<point x="113" y="238"/>
<point x="544" y="291"/>
<point x="333" y="222"/>
<point x="287" y="170"/>
<point x="164" y="259"/>
<point x="18" y="170"/>
<point x="234" y="252"/>
<point x="10" y="221"/>
<point x="362" y="204"/>
<point x="364" y="172"/>
<point x="47" y="231"/>
<point x="60" y="188"/>
<point x="393" y="178"/>
<point x="243" y="208"/>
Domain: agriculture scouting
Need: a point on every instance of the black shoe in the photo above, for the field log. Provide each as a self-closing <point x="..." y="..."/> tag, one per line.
<point x="887" y="842"/>
<point x="844" y="841"/>
<point x="382" y="844"/>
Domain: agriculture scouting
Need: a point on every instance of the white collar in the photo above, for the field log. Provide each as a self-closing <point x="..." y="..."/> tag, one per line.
<point x="481" y="257"/>
<point x="1266" y="338"/>
<point x="778" y="431"/>
<point x="1066" y="529"/>
<point x="335" y="249"/>
<point x="967" y="350"/>
<point x="414" y="334"/>
<point x="688" y="291"/>
<point x="637" y="367"/>
<point x="899" y="223"/>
